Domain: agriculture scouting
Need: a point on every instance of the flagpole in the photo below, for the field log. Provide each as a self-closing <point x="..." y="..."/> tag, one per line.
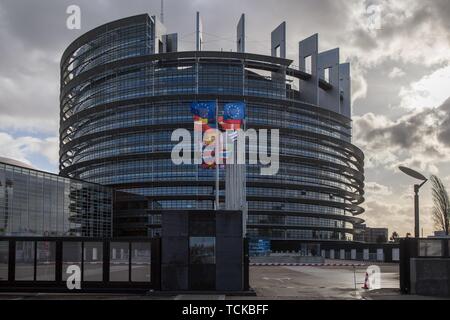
<point x="217" y="156"/>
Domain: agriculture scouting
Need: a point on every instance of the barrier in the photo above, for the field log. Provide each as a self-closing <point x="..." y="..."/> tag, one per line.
<point x="44" y="264"/>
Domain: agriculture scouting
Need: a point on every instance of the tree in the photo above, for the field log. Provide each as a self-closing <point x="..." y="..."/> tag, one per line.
<point x="394" y="237"/>
<point x="441" y="205"/>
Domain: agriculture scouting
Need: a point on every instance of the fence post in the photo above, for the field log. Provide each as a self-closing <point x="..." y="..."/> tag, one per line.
<point x="246" y="266"/>
<point x="59" y="262"/>
<point x="408" y="250"/>
<point x="156" y="263"/>
<point x="12" y="261"/>
<point x="106" y="258"/>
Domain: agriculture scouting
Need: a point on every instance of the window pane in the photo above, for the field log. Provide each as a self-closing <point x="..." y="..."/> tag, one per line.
<point x="327" y="75"/>
<point x="308" y="64"/>
<point x="93" y="261"/>
<point x="45" y="267"/>
<point x="24" y="261"/>
<point x="430" y="248"/>
<point x="71" y="256"/>
<point x="4" y="254"/>
<point x="140" y="261"/>
<point x="119" y="263"/>
<point x="202" y="250"/>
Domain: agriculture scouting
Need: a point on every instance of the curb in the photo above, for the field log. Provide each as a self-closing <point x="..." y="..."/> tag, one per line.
<point x="307" y="265"/>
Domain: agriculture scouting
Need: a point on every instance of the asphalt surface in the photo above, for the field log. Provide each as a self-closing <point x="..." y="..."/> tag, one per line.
<point x="313" y="283"/>
<point x="277" y="283"/>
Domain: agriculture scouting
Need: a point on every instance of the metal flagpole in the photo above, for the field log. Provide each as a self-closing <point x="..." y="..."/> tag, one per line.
<point x="217" y="151"/>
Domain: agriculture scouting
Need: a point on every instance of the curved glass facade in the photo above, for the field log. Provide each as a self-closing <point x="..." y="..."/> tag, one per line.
<point x="120" y="103"/>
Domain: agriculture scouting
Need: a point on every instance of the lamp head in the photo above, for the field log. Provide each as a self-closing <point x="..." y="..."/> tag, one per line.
<point x="412" y="173"/>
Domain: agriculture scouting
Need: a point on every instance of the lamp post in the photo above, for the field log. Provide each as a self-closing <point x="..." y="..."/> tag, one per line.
<point x="414" y="174"/>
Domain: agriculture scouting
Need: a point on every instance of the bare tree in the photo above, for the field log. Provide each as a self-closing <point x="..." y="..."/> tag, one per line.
<point x="441" y="205"/>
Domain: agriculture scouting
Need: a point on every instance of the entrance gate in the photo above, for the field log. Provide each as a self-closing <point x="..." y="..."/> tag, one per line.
<point x="47" y="263"/>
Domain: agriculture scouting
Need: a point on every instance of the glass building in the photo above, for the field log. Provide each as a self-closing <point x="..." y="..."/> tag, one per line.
<point x="125" y="89"/>
<point x="35" y="203"/>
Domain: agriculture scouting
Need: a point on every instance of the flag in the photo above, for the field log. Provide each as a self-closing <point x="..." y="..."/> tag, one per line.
<point x="204" y="110"/>
<point x="199" y="119"/>
<point x="227" y="125"/>
<point x="234" y="111"/>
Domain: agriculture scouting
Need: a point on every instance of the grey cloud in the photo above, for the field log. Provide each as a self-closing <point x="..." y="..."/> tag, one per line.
<point x="362" y="39"/>
<point x="444" y="129"/>
<point x="420" y="141"/>
<point x="33" y="35"/>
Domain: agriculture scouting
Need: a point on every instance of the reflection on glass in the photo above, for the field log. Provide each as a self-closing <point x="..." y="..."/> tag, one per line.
<point x="93" y="261"/>
<point x="71" y="256"/>
<point x="202" y="250"/>
<point x="24" y="261"/>
<point x="45" y="264"/>
<point x="119" y="261"/>
<point x="4" y="253"/>
<point x="430" y="248"/>
<point x="141" y="262"/>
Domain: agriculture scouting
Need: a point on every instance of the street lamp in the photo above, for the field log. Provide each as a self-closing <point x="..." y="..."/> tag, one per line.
<point x="419" y="176"/>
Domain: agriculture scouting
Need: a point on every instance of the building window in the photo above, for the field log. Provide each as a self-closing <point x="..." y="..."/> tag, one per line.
<point x="308" y="64"/>
<point x="202" y="250"/>
<point x="327" y="74"/>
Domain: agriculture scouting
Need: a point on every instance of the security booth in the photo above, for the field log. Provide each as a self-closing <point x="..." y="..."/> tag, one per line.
<point x="425" y="266"/>
<point x="203" y="250"/>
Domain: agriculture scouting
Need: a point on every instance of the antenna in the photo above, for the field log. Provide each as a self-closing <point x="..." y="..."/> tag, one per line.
<point x="162" y="11"/>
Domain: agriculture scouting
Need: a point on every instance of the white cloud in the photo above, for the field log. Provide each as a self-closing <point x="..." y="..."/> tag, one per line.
<point x="23" y="147"/>
<point x="411" y="32"/>
<point x="429" y="92"/>
<point x="377" y="189"/>
<point x="415" y="140"/>
<point x="396" y="73"/>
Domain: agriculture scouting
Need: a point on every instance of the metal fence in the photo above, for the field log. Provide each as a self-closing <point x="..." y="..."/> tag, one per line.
<point x="52" y="264"/>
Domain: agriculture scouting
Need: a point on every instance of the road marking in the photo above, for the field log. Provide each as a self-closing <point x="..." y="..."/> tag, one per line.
<point x="307" y="265"/>
<point x="277" y="279"/>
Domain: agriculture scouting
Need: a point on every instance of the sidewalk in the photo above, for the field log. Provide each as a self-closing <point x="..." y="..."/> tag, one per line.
<point x="395" y="294"/>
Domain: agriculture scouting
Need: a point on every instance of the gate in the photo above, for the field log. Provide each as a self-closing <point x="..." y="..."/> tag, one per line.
<point x="104" y="265"/>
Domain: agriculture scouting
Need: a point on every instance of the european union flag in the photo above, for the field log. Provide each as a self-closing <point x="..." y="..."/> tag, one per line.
<point x="234" y="111"/>
<point x="205" y="110"/>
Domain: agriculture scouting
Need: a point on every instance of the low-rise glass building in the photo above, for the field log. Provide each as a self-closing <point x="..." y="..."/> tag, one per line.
<point x="36" y="203"/>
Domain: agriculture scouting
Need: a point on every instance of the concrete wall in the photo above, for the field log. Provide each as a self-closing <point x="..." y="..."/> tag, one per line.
<point x="430" y="276"/>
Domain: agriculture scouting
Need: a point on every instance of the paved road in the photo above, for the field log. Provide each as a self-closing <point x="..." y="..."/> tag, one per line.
<point x="279" y="283"/>
<point x="317" y="282"/>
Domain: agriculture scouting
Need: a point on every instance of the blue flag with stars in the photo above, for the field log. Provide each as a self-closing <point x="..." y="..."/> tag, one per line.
<point x="205" y="110"/>
<point x="234" y="111"/>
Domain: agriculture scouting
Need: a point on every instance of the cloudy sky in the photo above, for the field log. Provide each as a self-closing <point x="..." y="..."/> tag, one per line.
<point x="400" y="68"/>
